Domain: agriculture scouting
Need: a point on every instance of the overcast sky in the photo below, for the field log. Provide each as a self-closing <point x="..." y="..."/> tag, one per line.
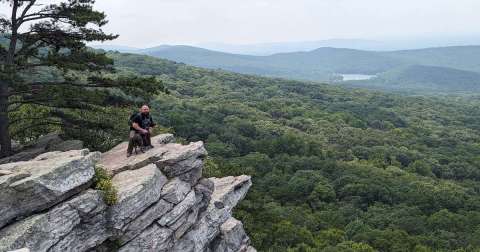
<point x="143" y="23"/>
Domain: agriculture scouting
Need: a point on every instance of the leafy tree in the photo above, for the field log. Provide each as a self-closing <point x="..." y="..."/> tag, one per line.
<point x="325" y="177"/>
<point x="49" y="77"/>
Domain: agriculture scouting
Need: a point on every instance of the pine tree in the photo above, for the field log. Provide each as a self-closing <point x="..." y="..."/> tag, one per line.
<point x="49" y="77"/>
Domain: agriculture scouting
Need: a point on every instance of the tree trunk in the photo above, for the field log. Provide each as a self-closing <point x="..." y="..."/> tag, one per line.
<point x="5" y="140"/>
<point x="7" y="77"/>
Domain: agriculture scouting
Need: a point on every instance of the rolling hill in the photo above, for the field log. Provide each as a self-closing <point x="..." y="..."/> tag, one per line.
<point x="319" y="65"/>
<point x="459" y="57"/>
<point x="422" y="78"/>
<point x="457" y="72"/>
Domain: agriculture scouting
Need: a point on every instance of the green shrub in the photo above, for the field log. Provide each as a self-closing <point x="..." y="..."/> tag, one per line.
<point x="103" y="182"/>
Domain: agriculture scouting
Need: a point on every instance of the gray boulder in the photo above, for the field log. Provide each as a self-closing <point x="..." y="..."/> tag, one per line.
<point x="143" y="221"/>
<point x="205" y="188"/>
<point x="137" y="190"/>
<point x="46" y="203"/>
<point x="67" y="145"/>
<point x="232" y="237"/>
<point x="175" y="191"/>
<point x="228" y="192"/>
<point x="171" y="217"/>
<point x="163" y="139"/>
<point x="92" y="230"/>
<point x="36" y="185"/>
<point x="46" y="143"/>
<point x="190" y="219"/>
<point x="42" y="231"/>
<point x="154" y="238"/>
<point x="181" y="159"/>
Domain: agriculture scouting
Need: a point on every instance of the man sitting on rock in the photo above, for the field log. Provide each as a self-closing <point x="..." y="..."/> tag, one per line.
<point x="141" y="125"/>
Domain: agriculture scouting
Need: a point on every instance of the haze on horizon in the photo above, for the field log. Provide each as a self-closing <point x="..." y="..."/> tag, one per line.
<point x="155" y="22"/>
<point x="148" y="23"/>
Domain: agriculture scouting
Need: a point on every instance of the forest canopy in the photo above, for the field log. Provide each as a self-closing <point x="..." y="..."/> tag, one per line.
<point x="333" y="169"/>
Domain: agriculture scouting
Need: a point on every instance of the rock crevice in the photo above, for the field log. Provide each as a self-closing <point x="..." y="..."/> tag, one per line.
<point x="163" y="203"/>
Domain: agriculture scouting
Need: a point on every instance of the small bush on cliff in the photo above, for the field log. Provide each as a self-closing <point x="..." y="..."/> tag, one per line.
<point x="211" y="168"/>
<point x="103" y="182"/>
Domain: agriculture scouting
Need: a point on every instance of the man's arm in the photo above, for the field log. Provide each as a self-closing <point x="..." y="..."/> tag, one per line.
<point x="137" y="127"/>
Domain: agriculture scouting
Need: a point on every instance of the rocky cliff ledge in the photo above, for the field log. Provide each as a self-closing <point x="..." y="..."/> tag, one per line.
<point x="163" y="203"/>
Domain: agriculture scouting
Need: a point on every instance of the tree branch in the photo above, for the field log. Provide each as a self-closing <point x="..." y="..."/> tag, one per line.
<point x="36" y="125"/>
<point x="28" y="118"/>
<point x="86" y="85"/>
<point x="24" y="12"/>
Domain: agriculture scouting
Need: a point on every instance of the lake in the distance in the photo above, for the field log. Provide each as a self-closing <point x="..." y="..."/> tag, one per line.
<point x="354" y="77"/>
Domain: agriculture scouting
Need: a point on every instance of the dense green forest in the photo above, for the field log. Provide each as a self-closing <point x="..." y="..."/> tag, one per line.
<point x="334" y="169"/>
<point x="421" y="70"/>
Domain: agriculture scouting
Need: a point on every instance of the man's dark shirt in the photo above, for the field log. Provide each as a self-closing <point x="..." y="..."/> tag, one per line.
<point x="144" y="121"/>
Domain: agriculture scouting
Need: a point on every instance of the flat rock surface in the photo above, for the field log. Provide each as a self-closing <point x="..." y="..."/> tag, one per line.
<point x="116" y="161"/>
<point x="35" y="185"/>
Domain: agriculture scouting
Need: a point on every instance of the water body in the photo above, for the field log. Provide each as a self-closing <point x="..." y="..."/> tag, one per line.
<point x="355" y="77"/>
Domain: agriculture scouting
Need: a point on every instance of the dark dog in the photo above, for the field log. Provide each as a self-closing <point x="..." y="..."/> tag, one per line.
<point x="138" y="144"/>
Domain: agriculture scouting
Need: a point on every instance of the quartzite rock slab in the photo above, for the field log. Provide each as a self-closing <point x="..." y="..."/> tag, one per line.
<point x="227" y="193"/>
<point x="191" y="219"/>
<point x="181" y="159"/>
<point x="150" y="215"/>
<point x="165" y="155"/>
<point x="137" y="190"/>
<point x="232" y="237"/>
<point x="154" y="238"/>
<point x="43" y="182"/>
<point x="92" y="230"/>
<point x="42" y="231"/>
<point x="175" y="190"/>
<point x="171" y="217"/>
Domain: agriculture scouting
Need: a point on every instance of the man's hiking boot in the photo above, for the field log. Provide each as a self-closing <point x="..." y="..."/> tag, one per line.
<point x="129" y="155"/>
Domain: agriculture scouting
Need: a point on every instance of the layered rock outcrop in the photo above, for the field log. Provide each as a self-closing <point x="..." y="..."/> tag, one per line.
<point x="163" y="202"/>
<point x="47" y="143"/>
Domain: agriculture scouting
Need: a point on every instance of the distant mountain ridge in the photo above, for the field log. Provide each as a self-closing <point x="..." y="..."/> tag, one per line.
<point x="328" y="64"/>
<point x="263" y="49"/>
<point x="380" y="44"/>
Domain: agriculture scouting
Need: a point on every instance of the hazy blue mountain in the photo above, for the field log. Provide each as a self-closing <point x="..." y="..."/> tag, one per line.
<point x="264" y="49"/>
<point x="444" y="69"/>
<point x="460" y="57"/>
<point x="423" y="78"/>
<point x="320" y="64"/>
<point x="383" y="44"/>
<point x="118" y="48"/>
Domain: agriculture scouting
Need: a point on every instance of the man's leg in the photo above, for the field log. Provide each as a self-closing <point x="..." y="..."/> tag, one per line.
<point x="131" y="140"/>
<point x="148" y="142"/>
